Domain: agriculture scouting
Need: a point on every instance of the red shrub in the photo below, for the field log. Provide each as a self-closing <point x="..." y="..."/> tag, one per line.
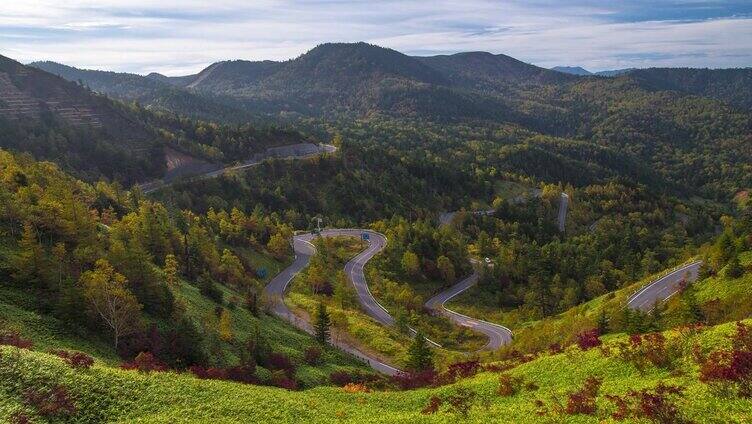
<point x="433" y="405"/>
<point x="656" y="405"/>
<point x="725" y="369"/>
<point x="49" y="403"/>
<point x="509" y="385"/>
<point x="19" y="418"/>
<point x="340" y="378"/>
<point x="13" y="338"/>
<point x="414" y="380"/>
<point x="284" y="382"/>
<point x="144" y="362"/>
<point x="76" y="360"/>
<point x="555" y="348"/>
<point x="242" y="374"/>
<point x="589" y="339"/>
<point x="583" y="401"/>
<point x="280" y="361"/>
<point x="458" y="370"/>
<point x="312" y="355"/>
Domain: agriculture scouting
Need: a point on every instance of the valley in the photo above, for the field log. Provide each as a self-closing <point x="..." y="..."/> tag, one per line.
<point x="362" y="235"/>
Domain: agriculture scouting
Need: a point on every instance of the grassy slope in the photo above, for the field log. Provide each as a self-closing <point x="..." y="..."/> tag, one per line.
<point x="562" y="328"/>
<point x="108" y="394"/>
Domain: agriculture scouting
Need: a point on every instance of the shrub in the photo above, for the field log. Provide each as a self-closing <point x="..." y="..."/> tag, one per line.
<point x="414" y="380"/>
<point x="13" y="338"/>
<point x="280" y="361"/>
<point x="240" y="374"/>
<point x="280" y="379"/>
<point x="588" y="339"/>
<point x="656" y="405"/>
<point x="434" y="403"/>
<point x="76" y="360"/>
<point x="509" y="385"/>
<point x="340" y="378"/>
<point x="144" y="362"/>
<point x="728" y="368"/>
<point x="356" y="388"/>
<point x="460" y="401"/>
<point x="312" y="355"/>
<point x="49" y="403"/>
<point x="650" y="349"/>
<point x="19" y="417"/>
<point x="583" y="401"/>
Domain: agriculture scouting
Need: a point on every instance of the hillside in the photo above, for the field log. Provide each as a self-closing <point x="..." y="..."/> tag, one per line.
<point x="550" y="387"/>
<point x="150" y="91"/>
<point x="574" y="70"/>
<point x="732" y="86"/>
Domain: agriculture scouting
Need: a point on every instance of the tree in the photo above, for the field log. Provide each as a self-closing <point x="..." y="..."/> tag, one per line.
<point x="411" y="263"/>
<point x="28" y="263"/>
<point x="225" y="326"/>
<point x="322" y="325"/>
<point x="344" y="294"/>
<point x="734" y="268"/>
<point x="107" y="295"/>
<point x="171" y="270"/>
<point x="278" y="246"/>
<point x="420" y="356"/>
<point x="602" y="322"/>
<point x="446" y="268"/>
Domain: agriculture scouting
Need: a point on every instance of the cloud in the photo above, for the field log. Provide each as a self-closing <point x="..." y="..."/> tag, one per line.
<point x="176" y="37"/>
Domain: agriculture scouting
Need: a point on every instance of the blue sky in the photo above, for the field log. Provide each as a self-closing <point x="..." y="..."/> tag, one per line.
<point x="178" y="37"/>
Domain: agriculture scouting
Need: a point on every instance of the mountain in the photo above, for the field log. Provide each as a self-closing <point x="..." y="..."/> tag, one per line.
<point x="614" y="72"/>
<point x="573" y="70"/>
<point x="733" y="86"/>
<point x="59" y="120"/>
<point x="154" y="91"/>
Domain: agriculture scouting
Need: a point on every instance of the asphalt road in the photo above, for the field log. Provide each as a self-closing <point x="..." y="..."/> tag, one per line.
<point x="498" y="335"/>
<point x="663" y="288"/>
<point x="277" y="287"/>
<point x="156" y="185"/>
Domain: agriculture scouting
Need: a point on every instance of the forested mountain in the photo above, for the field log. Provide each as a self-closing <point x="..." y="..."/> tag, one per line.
<point x="153" y="91"/>
<point x="94" y="136"/>
<point x="574" y="70"/>
<point x="733" y="86"/>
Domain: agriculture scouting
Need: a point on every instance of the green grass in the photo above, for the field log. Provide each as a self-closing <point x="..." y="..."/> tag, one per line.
<point x="48" y="332"/>
<point x="105" y="394"/>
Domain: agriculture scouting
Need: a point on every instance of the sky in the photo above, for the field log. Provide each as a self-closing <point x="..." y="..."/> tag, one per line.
<point x="178" y="37"/>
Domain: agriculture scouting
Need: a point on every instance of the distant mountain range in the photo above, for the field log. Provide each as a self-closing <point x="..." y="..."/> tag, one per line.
<point x="577" y="70"/>
<point x="358" y="79"/>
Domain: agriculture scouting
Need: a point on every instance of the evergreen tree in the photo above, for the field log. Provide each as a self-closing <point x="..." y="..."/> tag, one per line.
<point x="322" y="325"/>
<point x="602" y="322"/>
<point x="734" y="269"/>
<point x="420" y="356"/>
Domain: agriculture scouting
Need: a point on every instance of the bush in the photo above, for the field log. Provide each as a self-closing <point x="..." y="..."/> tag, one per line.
<point x="414" y="380"/>
<point x="656" y="405"/>
<point x="13" y="338"/>
<point x="209" y="289"/>
<point x="356" y="388"/>
<point x="50" y="403"/>
<point x="312" y="355"/>
<point x="239" y="374"/>
<point x="76" y="360"/>
<point x="280" y="361"/>
<point x="280" y="379"/>
<point x="460" y="401"/>
<point x="589" y="339"/>
<point x="728" y="368"/>
<point x="509" y="385"/>
<point x="144" y="362"/>
<point x="583" y="401"/>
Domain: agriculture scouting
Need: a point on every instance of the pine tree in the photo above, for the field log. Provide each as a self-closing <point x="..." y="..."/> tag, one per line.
<point x="171" y="270"/>
<point x="602" y="322"/>
<point x="322" y="324"/>
<point x="420" y="356"/>
<point x="225" y="326"/>
<point x="734" y="268"/>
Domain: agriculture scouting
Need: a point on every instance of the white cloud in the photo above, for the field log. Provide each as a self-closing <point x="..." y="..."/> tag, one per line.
<point x="177" y="37"/>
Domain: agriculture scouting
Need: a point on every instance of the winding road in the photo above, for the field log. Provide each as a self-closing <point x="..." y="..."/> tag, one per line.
<point x="664" y="287"/>
<point x="304" y="249"/>
<point x="296" y="151"/>
<point x="498" y="335"/>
